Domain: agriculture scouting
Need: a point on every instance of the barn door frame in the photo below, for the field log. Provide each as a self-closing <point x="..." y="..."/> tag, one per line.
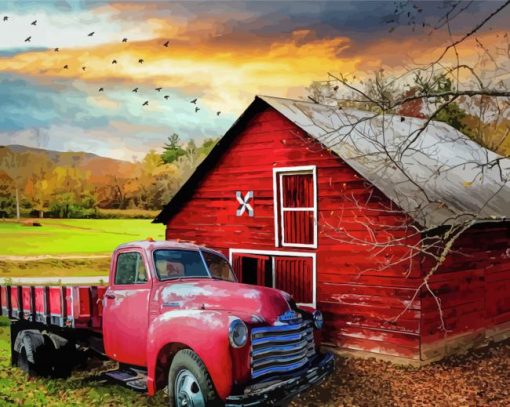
<point x="276" y="253"/>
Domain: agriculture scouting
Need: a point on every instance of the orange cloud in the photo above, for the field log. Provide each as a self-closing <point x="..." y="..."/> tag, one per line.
<point x="221" y="75"/>
<point x="224" y="75"/>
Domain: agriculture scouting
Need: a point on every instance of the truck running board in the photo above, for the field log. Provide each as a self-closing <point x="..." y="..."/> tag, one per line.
<point x="133" y="378"/>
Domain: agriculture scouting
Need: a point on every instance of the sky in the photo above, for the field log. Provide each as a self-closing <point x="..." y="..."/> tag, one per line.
<point x="221" y="53"/>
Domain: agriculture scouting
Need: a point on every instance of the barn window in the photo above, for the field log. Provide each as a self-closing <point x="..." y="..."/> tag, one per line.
<point x="288" y="271"/>
<point x="295" y="192"/>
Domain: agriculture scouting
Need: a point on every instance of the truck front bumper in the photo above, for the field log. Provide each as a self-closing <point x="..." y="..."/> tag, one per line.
<point x="283" y="391"/>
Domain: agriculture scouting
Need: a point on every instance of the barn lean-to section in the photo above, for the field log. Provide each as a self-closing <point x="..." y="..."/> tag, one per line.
<point x="276" y="200"/>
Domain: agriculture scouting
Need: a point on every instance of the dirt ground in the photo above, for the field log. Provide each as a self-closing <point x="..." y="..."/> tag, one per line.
<point x="478" y="378"/>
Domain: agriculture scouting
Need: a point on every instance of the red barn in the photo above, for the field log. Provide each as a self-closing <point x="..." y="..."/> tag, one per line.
<point x="312" y="200"/>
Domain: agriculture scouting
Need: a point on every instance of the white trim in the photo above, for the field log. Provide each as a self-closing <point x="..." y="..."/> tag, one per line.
<point x="278" y="173"/>
<point x="303" y="209"/>
<point x="273" y="254"/>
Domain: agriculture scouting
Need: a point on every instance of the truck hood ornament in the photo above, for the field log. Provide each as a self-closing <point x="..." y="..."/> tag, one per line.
<point x="289" y="317"/>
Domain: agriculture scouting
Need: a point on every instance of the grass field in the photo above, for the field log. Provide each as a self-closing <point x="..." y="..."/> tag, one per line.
<point x="67" y="237"/>
<point x="81" y="389"/>
<point x="55" y="268"/>
<point x="73" y="236"/>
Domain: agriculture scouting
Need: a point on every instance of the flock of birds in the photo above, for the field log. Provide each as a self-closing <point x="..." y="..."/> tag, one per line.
<point x="114" y="62"/>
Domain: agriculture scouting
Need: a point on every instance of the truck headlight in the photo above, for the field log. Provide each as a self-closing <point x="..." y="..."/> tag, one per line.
<point x="238" y="333"/>
<point x="318" y="319"/>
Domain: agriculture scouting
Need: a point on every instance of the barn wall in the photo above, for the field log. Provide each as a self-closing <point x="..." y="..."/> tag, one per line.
<point x="359" y="300"/>
<point x="473" y="286"/>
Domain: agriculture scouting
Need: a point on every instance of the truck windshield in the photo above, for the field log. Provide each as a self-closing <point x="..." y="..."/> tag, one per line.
<point x="171" y="264"/>
<point x="218" y="266"/>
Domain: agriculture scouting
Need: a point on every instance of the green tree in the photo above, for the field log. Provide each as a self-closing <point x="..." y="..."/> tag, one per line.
<point x="172" y="149"/>
<point x="451" y="112"/>
<point x="7" y="195"/>
<point x="207" y="146"/>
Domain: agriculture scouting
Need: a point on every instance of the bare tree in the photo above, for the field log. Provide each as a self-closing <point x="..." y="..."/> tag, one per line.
<point x="440" y="182"/>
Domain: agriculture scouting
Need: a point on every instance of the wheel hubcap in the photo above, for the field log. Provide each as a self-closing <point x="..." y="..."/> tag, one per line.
<point x="187" y="390"/>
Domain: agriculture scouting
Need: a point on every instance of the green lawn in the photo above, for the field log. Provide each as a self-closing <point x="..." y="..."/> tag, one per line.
<point x="74" y="236"/>
<point x="81" y="389"/>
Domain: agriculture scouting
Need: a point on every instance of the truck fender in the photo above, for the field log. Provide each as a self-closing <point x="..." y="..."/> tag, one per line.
<point x="57" y="341"/>
<point x="31" y="339"/>
<point x="204" y="332"/>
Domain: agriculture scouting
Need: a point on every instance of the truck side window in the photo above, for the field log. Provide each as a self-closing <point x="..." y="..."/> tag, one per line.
<point x="130" y="269"/>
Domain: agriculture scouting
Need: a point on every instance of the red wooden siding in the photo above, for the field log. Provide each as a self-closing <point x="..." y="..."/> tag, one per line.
<point x="473" y="285"/>
<point x="294" y="275"/>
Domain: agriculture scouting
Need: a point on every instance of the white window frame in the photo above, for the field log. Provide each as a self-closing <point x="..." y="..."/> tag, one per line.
<point x="278" y="174"/>
<point x="273" y="254"/>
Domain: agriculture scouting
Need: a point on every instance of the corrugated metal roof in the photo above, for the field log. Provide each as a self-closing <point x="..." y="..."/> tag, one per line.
<point x="440" y="179"/>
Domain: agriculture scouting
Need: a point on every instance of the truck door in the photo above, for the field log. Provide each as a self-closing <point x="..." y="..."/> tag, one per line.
<point x="126" y="308"/>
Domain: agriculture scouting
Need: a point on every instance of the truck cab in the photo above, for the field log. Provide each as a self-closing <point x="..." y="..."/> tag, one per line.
<point x="173" y="315"/>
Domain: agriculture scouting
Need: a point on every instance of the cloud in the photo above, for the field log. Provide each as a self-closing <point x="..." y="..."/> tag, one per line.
<point x="223" y="55"/>
<point x="67" y="29"/>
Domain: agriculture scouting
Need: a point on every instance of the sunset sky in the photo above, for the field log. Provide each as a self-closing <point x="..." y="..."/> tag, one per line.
<point x="222" y="53"/>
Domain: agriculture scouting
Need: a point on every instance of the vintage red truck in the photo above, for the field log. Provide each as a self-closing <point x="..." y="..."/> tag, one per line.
<point x="172" y="315"/>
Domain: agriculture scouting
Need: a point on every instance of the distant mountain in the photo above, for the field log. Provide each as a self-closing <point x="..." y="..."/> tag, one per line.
<point x="25" y="160"/>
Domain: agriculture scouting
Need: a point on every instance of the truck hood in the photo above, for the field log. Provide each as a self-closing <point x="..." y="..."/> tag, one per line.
<point x="248" y="302"/>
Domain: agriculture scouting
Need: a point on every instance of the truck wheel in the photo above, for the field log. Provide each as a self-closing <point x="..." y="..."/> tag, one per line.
<point x="34" y="358"/>
<point x="189" y="383"/>
<point x="23" y="362"/>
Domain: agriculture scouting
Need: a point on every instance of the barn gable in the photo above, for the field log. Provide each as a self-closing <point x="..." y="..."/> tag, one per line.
<point x="438" y="179"/>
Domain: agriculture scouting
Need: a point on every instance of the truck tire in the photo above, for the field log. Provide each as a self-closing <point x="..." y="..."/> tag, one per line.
<point x="24" y="364"/>
<point x="189" y="383"/>
<point x="33" y="354"/>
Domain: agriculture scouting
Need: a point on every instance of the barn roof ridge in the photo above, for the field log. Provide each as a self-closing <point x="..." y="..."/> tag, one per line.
<point x="436" y="181"/>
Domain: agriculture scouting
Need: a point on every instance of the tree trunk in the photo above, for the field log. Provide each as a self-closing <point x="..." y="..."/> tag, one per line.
<point x="17" y="204"/>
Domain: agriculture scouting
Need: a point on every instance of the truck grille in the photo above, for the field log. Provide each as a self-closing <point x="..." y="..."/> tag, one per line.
<point x="281" y="348"/>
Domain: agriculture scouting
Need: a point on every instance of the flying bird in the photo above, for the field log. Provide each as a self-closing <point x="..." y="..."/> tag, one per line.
<point x="91" y="34"/>
<point x="166" y="97"/>
<point x="101" y="89"/>
<point x="140" y="61"/>
<point x="114" y="61"/>
<point x="66" y="66"/>
<point x="402" y="118"/>
<point x="146" y="103"/>
<point x="158" y="89"/>
<point x="197" y="109"/>
<point x="135" y="90"/>
<point x="83" y="68"/>
<point x="6" y="18"/>
<point x="28" y="39"/>
<point x="166" y="44"/>
<point x="124" y="39"/>
<point x="56" y="49"/>
<point x="34" y="22"/>
<point x="335" y="88"/>
<point x="194" y="101"/>
<point x="218" y="113"/>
